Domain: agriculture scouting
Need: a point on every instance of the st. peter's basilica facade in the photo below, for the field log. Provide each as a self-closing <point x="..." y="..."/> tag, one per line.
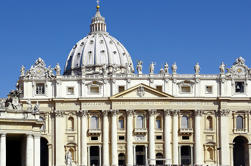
<point x="102" y="111"/>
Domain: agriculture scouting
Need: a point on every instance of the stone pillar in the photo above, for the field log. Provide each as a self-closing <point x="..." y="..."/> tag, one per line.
<point x="129" y="138"/>
<point x="105" y="139"/>
<point x="146" y="160"/>
<point x="84" y="127"/>
<point x="198" y="145"/>
<point x="29" y="150"/>
<point x="152" y="155"/>
<point x="37" y="150"/>
<point x="167" y="137"/>
<point x="175" y="138"/>
<point x="59" y="141"/>
<point x="249" y="150"/>
<point x="224" y="138"/>
<point x="134" y="153"/>
<point x="3" y="149"/>
<point x="114" y="139"/>
<point x="100" y="155"/>
<point x="231" y="146"/>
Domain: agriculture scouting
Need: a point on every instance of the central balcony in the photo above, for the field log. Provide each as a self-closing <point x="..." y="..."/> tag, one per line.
<point x="94" y="131"/>
<point x="140" y="131"/>
<point x="186" y="131"/>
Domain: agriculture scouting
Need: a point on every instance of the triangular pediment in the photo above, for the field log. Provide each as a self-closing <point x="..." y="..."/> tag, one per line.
<point x="141" y="91"/>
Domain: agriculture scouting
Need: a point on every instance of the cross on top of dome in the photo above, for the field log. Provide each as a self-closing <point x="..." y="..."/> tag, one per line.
<point x="98" y="22"/>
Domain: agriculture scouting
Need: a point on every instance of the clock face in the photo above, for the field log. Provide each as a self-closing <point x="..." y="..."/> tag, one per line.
<point x="239" y="70"/>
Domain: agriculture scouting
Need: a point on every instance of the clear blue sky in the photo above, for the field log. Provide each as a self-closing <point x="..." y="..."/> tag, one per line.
<point x="185" y="31"/>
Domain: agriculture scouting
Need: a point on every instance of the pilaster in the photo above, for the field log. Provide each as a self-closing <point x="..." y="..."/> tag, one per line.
<point x="175" y="114"/>
<point x="114" y="139"/>
<point x="129" y="137"/>
<point x="152" y="155"/>
<point x="167" y="137"/>
<point x="105" y="138"/>
<point x="3" y="149"/>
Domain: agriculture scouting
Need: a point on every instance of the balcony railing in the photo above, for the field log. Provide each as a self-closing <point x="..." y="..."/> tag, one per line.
<point x="140" y="131"/>
<point x="94" y="131"/>
<point x="240" y="131"/>
<point x="186" y="131"/>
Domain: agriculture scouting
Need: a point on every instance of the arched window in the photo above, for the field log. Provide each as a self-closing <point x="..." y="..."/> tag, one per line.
<point x="140" y="122"/>
<point x="121" y="122"/>
<point x="94" y="122"/>
<point x="159" y="156"/>
<point x="210" y="153"/>
<point x="158" y="122"/>
<point x="71" y="123"/>
<point x="209" y="123"/>
<point x="184" y="122"/>
<point x="239" y="122"/>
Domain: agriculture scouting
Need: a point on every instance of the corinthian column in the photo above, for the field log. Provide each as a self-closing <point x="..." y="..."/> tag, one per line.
<point x="29" y="150"/>
<point x="198" y="146"/>
<point x="224" y="137"/>
<point x="129" y="137"/>
<point x="167" y="137"/>
<point x="105" y="139"/>
<point x="3" y="149"/>
<point x="175" y="138"/>
<point x="84" y="138"/>
<point x="152" y="137"/>
<point x="114" y="139"/>
<point x="37" y="149"/>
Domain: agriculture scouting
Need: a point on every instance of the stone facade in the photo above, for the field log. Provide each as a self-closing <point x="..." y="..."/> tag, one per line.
<point x="103" y="114"/>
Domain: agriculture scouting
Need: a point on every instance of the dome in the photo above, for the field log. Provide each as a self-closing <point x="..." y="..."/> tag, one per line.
<point x="98" y="52"/>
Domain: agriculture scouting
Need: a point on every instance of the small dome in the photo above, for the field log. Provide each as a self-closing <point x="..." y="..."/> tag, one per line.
<point x="97" y="52"/>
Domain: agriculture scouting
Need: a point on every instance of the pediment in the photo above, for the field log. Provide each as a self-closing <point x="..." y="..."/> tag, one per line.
<point x="141" y="91"/>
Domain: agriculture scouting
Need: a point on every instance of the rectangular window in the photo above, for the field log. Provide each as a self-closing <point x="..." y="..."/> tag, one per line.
<point x="185" y="137"/>
<point x="40" y="89"/>
<point x="185" y="89"/>
<point x="209" y="89"/>
<point x="121" y="88"/>
<point x="121" y="138"/>
<point x="159" y="88"/>
<point x="239" y="87"/>
<point x="94" y="138"/>
<point x="94" y="89"/>
<point x="70" y="91"/>
<point x="158" y="137"/>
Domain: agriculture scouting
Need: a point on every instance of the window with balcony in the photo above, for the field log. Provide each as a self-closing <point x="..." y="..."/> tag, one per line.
<point x="184" y="122"/>
<point x="121" y="123"/>
<point x="209" y="123"/>
<point x="94" y="122"/>
<point x="70" y="124"/>
<point x="158" y="122"/>
<point x="40" y="89"/>
<point x="239" y="122"/>
<point x="140" y="122"/>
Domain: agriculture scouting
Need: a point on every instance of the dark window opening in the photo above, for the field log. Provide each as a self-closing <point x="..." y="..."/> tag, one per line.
<point x="158" y="137"/>
<point x="94" y="138"/>
<point x="185" y="137"/>
<point x="239" y="87"/>
<point x="121" y="138"/>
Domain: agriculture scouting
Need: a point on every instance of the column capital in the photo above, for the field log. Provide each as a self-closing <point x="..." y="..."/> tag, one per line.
<point x="223" y="112"/>
<point x="105" y="112"/>
<point x="152" y="111"/>
<point x="175" y="112"/>
<point x="129" y="112"/>
<point x="82" y="113"/>
<point x="37" y="135"/>
<point x="3" y="134"/>
<point x="167" y="112"/>
<point x="198" y="112"/>
<point x="114" y="112"/>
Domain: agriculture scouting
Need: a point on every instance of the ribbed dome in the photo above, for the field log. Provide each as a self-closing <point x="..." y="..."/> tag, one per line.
<point x="98" y="52"/>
